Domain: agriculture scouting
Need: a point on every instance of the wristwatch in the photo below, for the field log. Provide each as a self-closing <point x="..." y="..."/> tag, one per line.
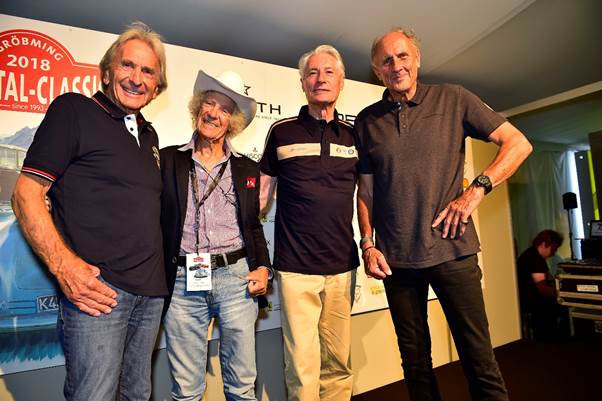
<point x="483" y="181"/>
<point x="365" y="240"/>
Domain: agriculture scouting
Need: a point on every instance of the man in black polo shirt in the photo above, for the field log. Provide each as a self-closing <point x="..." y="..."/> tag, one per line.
<point x="97" y="160"/>
<point x="411" y="149"/>
<point x="312" y="157"/>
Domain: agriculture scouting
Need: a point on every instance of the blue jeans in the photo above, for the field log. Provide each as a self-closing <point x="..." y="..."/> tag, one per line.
<point x="109" y="357"/>
<point x="458" y="288"/>
<point x="186" y="328"/>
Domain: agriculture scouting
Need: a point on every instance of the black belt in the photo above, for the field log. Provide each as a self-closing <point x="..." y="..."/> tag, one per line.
<point x="218" y="260"/>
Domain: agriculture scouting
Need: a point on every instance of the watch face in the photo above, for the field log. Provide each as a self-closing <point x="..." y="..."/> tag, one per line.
<point x="484" y="181"/>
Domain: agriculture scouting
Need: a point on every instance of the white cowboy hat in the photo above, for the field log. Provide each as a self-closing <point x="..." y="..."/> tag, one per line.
<point x="230" y="84"/>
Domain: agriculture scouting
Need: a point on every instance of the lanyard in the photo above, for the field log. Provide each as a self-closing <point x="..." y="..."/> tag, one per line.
<point x="196" y="191"/>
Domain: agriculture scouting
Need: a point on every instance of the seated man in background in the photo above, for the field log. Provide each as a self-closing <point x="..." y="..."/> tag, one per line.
<point x="536" y="285"/>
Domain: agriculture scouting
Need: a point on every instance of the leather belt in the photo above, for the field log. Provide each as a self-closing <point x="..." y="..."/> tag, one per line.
<point x="220" y="259"/>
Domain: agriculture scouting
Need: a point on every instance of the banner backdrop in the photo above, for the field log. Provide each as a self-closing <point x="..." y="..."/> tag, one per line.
<point x="38" y="62"/>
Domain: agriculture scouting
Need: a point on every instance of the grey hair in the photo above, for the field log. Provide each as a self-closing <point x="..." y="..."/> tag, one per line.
<point x="237" y="120"/>
<point x="408" y="33"/>
<point x="326" y="49"/>
<point x="141" y="31"/>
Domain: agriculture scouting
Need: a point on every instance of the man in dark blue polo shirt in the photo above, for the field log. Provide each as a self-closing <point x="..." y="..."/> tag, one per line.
<point x="97" y="160"/>
<point x="312" y="157"/>
<point x="411" y="148"/>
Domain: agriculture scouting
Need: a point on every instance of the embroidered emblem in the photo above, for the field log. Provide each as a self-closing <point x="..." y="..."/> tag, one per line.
<point x="343" y="151"/>
<point x="251" y="181"/>
<point x="157" y="158"/>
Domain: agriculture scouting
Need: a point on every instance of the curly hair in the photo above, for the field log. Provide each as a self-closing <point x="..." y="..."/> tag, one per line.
<point x="237" y="120"/>
<point x="548" y="237"/>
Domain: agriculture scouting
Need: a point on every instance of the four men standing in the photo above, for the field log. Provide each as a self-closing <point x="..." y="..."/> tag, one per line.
<point x="102" y="239"/>
<point x="312" y="159"/>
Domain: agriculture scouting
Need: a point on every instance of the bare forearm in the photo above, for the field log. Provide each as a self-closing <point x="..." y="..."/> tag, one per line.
<point x="267" y="186"/>
<point x="30" y="208"/>
<point x="76" y="278"/>
<point x="514" y="149"/>
<point x="364" y="216"/>
<point x="375" y="262"/>
<point x="364" y="206"/>
<point x="545" y="290"/>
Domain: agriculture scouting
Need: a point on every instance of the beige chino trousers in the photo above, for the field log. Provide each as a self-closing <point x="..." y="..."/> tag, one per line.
<point x="316" y="325"/>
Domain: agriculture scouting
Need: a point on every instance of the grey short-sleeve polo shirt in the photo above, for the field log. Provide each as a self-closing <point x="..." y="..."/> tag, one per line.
<point x="415" y="152"/>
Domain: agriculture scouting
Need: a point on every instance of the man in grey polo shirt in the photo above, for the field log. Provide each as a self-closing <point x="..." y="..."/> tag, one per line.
<point x="411" y="148"/>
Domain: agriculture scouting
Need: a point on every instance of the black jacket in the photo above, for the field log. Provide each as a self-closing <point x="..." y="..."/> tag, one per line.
<point x="175" y="170"/>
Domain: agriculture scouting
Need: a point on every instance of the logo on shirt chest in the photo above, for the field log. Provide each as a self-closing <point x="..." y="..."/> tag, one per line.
<point x="157" y="158"/>
<point x="343" y="151"/>
<point x="251" y="182"/>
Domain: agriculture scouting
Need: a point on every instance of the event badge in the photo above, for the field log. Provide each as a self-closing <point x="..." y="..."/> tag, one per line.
<point x="198" y="272"/>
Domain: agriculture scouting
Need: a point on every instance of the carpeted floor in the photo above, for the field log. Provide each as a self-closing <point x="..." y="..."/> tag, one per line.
<point x="563" y="370"/>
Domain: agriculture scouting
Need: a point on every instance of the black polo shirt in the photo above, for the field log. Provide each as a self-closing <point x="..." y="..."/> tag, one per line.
<point x="315" y="163"/>
<point x="528" y="263"/>
<point x="106" y="189"/>
<point x="415" y="152"/>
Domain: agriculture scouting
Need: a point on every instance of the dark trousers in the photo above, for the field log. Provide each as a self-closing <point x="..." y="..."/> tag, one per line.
<point x="549" y="320"/>
<point x="458" y="288"/>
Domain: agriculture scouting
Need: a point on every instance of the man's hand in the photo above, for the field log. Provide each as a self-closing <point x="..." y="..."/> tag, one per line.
<point x="375" y="264"/>
<point x="76" y="278"/>
<point x="80" y="284"/>
<point x="258" y="281"/>
<point x="456" y="213"/>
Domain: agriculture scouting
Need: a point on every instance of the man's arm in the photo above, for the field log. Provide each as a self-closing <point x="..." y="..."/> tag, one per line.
<point x="267" y="185"/>
<point x="513" y="150"/>
<point x="541" y="283"/>
<point x="258" y="278"/>
<point x="375" y="263"/>
<point x="258" y="281"/>
<point x="76" y="278"/>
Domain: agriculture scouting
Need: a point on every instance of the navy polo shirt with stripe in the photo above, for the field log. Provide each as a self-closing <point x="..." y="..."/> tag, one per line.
<point x="106" y="189"/>
<point x="315" y="164"/>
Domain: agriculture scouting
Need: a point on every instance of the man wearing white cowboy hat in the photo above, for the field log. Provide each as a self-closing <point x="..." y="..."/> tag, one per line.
<point x="216" y="256"/>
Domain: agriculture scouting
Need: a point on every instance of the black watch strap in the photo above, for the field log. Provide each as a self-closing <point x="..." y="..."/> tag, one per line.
<point x="484" y="182"/>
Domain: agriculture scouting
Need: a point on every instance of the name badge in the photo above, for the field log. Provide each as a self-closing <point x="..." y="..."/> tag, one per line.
<point x="198" y="272"/>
